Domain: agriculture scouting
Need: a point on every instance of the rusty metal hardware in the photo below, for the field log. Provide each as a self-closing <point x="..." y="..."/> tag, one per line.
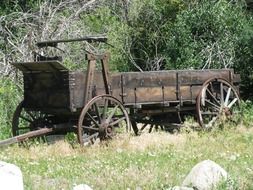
<point x="54" y="43"/>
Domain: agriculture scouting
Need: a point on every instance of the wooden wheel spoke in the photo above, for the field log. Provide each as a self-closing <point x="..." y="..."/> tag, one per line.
<point x="213" y="105"/>
<point x="209" y="113"/>
<point x="92" y="118"/>
<point x="211" y="94"/>
<point x="35" y="115"/>
<point x="117" y="121"/>
<point x="89" y="138"/>
<point x="97" y="110"/>
<point x="144" y="126"/>
<point x="212" y="121"/>
<point x="232" y="102"/>
<point x="25" y="118"/>
<point x="227" y="97"/>
<point x="31" y="115"/>
<point x="211" y="87"/>
<point x="151" y="128"/>
<point x="221" y="94"/>
<point x="90" y="128"/>
<point x="112" y="113"/>
<point x="105" y="109"/>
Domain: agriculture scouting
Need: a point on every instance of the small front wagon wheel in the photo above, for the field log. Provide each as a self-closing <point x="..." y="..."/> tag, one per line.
<point x="217" y="99"/>
<point x="25" y="120"/>
<point x="102" y="117"/>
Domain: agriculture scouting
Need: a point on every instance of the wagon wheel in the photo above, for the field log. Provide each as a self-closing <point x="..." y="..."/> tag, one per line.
<point x="102" y="117"/>
<point x="217" y="100"/>
<point x="25" y="120"/>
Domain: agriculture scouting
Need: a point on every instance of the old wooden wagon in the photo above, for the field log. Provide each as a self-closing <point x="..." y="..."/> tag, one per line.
<point x="98" y="104"/>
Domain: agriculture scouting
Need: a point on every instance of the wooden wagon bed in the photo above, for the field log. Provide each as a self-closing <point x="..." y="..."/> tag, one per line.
<point x="137" y="88"/>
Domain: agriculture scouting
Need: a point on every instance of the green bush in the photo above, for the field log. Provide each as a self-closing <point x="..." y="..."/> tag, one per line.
<point x="105" y="20"/>
<point x="213" y="34"/>
<point x="10" y="95"/>
<point x="150" y="23"/>
<point x="247" y="113"/>
<point x="209" y="35"/>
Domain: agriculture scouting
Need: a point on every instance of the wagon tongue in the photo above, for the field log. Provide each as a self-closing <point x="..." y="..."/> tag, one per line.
<point x="40" y="66"/>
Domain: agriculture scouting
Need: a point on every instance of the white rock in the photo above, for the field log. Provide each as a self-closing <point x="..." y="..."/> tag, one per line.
<point x="82" y="187"/>
<point x="206" y="175"/>
<point x="10" y="177"/>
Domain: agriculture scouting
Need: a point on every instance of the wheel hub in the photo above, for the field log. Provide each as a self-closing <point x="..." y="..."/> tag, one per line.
<point x="226" y="112"/>
<point x="37" y="123"/>
<point x="105" y="130"/>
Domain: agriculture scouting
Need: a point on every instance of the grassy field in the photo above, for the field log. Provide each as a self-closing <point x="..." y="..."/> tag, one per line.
<point x="150" y="161"/>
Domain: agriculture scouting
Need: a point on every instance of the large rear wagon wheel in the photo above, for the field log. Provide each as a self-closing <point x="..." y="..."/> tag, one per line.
<point x="25" y="120"/>
<point x="102" y="117"/>
<point x="218" y="99"/>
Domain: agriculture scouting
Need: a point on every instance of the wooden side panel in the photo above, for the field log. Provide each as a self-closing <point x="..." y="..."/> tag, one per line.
<point x="164" y="86"/>
<point x="116" y="86"/>
<point x="46" y="90"/>
<point x="170" y="93"/>
<point x="189" y="92"/>
<point x="77" y="87"/>
<point x="148" y="87"/>
<point x="198" y="77"/>
<point x="190" y="82"/>
<point x="99" y="84"/>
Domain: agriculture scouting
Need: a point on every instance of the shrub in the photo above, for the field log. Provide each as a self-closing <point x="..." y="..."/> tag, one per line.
<point x="208" y="35"/>
<point x="10" y="95"/>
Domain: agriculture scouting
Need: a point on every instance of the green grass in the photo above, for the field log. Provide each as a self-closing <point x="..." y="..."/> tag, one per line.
<point x="149" y="161"/>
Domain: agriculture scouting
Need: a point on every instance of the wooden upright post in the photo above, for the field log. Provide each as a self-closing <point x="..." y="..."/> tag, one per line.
<point x="91" y="72"/>
<point x="89" y="78"/>
<point x="105" y="72"/>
